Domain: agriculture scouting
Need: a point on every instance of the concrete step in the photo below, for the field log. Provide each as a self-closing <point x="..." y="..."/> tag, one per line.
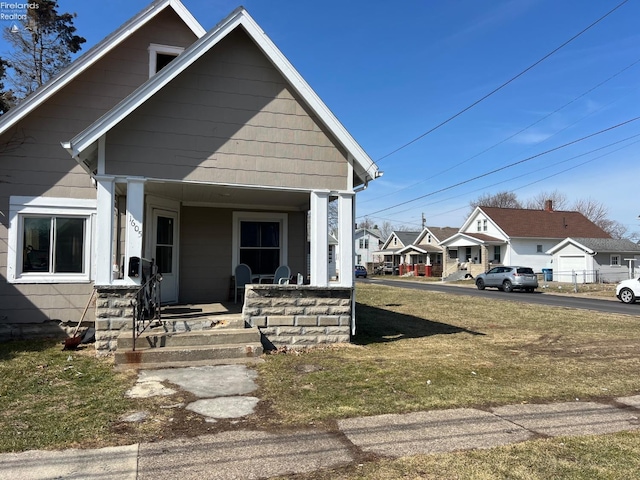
<point x="187" y="355"/>
<point x="182" y="323"/>
<point x="158" y="338"/>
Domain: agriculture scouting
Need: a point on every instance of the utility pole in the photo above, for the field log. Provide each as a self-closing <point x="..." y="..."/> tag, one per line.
<point x="424" y="221"/>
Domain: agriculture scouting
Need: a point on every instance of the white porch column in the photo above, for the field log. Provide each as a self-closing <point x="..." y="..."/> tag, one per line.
<point x="346" y="238"/>
<point x="319" y="238"/>
<point x="104" y="229"/>
<point x="135" y="223"/>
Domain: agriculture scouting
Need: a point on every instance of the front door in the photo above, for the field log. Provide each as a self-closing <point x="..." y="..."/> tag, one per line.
<point x="165" y="252"/>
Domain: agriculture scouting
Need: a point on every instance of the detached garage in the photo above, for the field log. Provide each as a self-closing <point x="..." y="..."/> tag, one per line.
<point x="590" y="260"/>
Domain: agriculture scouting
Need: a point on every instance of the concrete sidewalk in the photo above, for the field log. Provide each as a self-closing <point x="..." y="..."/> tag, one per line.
<point x="251" y="454"/>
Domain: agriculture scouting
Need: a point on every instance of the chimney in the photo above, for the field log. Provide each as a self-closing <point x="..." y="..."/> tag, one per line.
<point x="548" y="205"/>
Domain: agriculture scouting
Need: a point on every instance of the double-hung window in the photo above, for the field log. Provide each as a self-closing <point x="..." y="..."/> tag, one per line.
<point x="49" y="240"/>
<point x="260" y="241"/>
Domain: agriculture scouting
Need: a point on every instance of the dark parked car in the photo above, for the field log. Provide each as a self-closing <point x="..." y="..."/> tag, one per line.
<point x="508" y="279"/>
<point x="361" y="271"/>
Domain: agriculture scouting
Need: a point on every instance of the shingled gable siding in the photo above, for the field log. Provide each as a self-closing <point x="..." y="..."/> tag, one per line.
<point x="297" y="316"/>
<point x="228" y="118"/>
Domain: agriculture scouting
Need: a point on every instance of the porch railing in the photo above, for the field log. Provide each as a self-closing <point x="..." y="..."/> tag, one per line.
<point x="146" y="304"/>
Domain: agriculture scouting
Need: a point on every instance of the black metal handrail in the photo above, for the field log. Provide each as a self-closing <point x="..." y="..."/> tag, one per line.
<point x="146" y="304"/>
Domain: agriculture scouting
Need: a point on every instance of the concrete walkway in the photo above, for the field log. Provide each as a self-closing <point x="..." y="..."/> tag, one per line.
<point x="250" y="454"/>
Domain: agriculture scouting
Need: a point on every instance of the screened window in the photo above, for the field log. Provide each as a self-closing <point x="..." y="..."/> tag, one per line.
<point x="260" y="246"/>
<point x="539" y="248"/>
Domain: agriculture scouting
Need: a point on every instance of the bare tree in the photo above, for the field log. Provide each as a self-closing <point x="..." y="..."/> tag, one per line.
<point x="7" y="99"/>
<point x="499" y="200"/>
<point x="538" y="201"/>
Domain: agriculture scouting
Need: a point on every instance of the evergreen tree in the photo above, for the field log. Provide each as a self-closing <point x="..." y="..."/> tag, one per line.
<point x="42" y="47"/>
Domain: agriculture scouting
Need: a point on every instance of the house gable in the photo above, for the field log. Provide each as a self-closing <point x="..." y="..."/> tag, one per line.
<point x="363" y="167"/>
<point x="229" y="118"/>
<point x="105" y="48"/>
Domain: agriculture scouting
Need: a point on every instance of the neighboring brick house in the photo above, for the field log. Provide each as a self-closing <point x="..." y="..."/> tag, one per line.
<point x="513" y="236"/>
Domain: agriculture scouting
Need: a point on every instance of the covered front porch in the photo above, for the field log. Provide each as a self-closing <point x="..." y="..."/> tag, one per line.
<point x="471" y="253"/>
<point x="196" y="234"/>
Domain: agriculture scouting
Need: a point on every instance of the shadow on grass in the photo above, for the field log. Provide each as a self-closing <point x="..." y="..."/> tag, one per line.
<point x="14" y="348"/>
<point x="376" y="325"/>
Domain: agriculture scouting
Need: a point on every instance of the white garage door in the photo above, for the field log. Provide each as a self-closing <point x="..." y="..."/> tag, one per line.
<point x="567" y="265"/>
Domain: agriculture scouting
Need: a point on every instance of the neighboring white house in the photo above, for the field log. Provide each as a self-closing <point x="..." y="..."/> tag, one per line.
<point x="368" y="240"/>
<point x="513" y="236"/>
<point x="589" y="260"/>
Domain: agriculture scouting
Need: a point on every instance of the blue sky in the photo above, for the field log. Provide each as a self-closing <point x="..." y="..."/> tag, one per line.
<point x="392" y="71"/>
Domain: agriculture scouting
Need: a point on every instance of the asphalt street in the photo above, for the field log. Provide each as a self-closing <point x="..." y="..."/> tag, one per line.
<point x="539" y="297"/>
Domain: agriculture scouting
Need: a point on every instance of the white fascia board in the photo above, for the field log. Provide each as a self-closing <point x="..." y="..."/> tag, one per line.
<point x="91" y="56"/>
<point x="187" y="18"/>
<point x="412" y="247"/>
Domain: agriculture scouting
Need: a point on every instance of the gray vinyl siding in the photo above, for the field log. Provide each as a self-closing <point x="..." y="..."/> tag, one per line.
<point x="205" y="252"/>
<point x="229" y="118"/>
<point x="33" y="163"/>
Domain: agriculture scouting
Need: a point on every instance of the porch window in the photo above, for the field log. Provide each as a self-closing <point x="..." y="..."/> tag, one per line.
<point x="615" y="260"/>
<point x="496" y="253"/>
<point x="49" y="240"/>
<point x="453" y="254"/>
<point x="260" y="241"/>
<point x="260" y="246"/>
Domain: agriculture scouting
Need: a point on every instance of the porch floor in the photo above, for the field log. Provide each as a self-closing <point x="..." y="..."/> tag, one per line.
<point x="191" y="311"/>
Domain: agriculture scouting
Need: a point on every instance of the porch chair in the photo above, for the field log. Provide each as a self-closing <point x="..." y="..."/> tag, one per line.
<point x="243" y="276"/>
<point x="281" y="277"/>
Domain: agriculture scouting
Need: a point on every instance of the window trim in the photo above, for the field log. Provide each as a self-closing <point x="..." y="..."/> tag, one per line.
<point x="239" y="217"/>
<point x="155" y="49"/>
<point x="20" y="207"/>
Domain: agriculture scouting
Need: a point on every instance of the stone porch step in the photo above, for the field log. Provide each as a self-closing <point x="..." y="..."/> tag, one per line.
<point x="158" y="338"/>
<point x="200" y="355"/>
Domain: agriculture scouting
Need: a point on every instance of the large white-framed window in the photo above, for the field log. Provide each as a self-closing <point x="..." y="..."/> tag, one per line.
<point x="260" y="239"/>
<point x="160" y="56"/>
<point x="50" y="240"/>
<point x="614" y="260"/>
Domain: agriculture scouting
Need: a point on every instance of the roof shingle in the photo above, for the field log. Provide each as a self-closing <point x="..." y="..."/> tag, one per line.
<point x="523" y="223"/>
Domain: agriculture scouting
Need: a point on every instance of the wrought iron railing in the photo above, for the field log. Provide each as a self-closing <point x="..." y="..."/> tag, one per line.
<point x="146" y="304"/>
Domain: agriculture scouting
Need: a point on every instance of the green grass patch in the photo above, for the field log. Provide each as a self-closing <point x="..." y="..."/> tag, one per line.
<point x="51" y="398"/>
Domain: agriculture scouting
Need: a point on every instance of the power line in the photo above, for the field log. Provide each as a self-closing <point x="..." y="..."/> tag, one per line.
<point x="506" y="139"/>
<point x="573" y="142"/>
<point x="503" y="85"/>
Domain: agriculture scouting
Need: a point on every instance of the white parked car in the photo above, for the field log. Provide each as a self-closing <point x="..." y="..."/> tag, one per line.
<point x="628" y="291"/>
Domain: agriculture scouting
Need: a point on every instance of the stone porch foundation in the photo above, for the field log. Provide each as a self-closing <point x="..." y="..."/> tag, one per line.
<point x="297" y="316"/>
<point x="114" y="313"/>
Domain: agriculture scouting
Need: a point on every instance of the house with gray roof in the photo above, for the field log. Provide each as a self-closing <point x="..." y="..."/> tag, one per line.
<point x="589" y="260"/>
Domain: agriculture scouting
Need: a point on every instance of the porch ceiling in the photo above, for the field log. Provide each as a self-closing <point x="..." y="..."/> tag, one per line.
<point x="226" y="196"/>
